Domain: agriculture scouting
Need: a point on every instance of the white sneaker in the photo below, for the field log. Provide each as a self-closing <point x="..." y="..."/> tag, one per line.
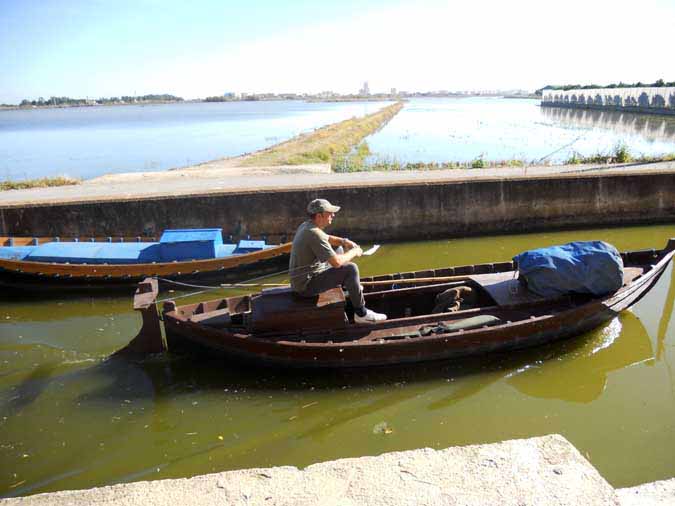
<point x="370" y="317"/>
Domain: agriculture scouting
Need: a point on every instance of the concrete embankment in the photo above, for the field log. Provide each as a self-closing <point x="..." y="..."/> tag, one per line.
<point x="376" y="206"/>
<point x="544" y="470"/>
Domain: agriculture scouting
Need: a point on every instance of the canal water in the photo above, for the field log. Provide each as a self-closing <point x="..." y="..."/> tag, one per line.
<point x="72" y="418"/>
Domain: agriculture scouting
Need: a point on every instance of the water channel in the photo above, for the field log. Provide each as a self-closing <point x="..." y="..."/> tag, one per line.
<point x="70" y="418"/>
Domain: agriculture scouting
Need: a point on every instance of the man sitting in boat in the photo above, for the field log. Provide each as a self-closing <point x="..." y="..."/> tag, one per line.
<point x="315" y="266"/>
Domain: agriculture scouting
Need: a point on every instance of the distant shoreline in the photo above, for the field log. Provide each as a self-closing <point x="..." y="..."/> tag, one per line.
<point x="71" y="106"/>
<point x="338" y="99"/>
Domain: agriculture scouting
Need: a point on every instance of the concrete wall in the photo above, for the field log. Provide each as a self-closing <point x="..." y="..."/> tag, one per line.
<point x="376" y="213"/>
<point x="644" y="100"/>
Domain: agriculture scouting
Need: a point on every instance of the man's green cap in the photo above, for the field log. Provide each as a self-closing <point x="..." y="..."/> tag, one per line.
<point x="321" y="206"/>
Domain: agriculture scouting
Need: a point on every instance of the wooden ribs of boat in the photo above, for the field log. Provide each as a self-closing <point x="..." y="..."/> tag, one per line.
<point x="277" y="328"/>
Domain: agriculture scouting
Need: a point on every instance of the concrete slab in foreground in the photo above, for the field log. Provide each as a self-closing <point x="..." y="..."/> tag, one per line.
<point x="538" y="471"/>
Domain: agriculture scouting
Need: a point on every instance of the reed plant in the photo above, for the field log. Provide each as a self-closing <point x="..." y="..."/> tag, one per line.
<point x="619" y="154"/>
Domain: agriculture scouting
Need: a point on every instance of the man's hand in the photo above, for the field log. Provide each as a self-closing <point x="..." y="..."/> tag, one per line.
<point x="347" y="244"/>
<point x="342" y="258"/>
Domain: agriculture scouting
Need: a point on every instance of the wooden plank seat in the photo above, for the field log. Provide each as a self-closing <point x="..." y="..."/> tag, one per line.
<point x="277" y="309"/>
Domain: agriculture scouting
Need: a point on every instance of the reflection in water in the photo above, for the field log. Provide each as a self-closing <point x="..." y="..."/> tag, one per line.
<point x="581" y="374"/>
<point x="649" y="126"/>
<point x="666" y="316"/>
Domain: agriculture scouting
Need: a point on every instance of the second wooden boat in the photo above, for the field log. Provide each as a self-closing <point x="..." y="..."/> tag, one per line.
<point x="56" y="265"/>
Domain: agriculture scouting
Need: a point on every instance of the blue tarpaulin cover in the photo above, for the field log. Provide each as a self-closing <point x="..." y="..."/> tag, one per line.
<point x="593" y="267"/>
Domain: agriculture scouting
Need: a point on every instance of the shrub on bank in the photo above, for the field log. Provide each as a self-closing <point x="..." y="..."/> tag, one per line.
<point x="38" y="183"/>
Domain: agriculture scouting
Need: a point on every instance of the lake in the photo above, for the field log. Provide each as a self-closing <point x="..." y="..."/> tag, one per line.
<point x="86" y="142"/>
<point x="70" y="418"/>
<point x="462" y="130"/>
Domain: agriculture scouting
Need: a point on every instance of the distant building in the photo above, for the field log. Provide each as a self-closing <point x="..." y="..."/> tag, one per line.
<point x="228" y="94"/>
<point x="392" y="91"/>
<point x="327" y="94"/>
<point x="365" y="90"/>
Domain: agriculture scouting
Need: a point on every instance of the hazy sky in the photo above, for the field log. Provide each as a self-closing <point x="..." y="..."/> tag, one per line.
<point x="96" y="48"/>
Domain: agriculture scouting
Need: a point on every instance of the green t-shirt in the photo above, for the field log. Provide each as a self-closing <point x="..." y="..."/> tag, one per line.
<point x="309" y="252"/>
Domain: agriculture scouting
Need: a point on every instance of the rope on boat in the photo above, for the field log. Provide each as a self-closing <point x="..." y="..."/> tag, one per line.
<point x="182" y="296"/>
<point x="208" y="288"/>
<point x="188" y="285"/>
<point x="323" y="266"/>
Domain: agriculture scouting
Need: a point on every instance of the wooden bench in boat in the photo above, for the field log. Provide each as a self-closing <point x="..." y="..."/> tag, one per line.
<point x="281" y="309"/>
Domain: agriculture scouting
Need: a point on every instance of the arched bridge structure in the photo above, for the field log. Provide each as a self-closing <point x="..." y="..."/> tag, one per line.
<point x="652" y="100"/>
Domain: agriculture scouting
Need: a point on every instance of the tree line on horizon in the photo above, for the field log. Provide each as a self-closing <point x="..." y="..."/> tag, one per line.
<point x="55" y="101"/>
<point x="660" y="83"/>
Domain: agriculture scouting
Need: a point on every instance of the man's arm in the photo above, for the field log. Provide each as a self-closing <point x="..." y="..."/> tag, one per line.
<point x="339" y="259"/>
<point x="341" y="241"/>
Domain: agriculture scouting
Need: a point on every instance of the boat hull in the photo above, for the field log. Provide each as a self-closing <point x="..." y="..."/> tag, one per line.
<point x="183" y="335"/>
<point x="47" y="279"/>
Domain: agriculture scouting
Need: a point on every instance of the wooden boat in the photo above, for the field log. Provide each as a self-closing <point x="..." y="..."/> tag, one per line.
<point x="39" y="265"/>
<point x="276" y="328"/>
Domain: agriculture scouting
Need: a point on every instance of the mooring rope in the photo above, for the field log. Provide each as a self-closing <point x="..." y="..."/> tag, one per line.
<point x="299" y="271"/>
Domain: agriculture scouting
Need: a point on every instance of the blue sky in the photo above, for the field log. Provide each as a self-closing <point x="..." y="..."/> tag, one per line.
<point x="195" y="49"/>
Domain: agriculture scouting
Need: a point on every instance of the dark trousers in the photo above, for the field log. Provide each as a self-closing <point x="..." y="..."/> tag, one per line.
<point x="346" y="276"/>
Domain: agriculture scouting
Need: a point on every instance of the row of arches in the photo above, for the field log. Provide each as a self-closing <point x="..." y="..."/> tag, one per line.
<point x="648" y="98"/>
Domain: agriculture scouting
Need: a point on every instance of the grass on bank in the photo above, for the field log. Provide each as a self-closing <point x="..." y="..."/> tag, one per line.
<point x="38" y="183"/>
<point x="329" y="144"/>
<point x="620" y="154"/>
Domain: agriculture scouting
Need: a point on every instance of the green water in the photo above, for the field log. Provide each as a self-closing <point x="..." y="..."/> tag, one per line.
<point x="71" y="419"/>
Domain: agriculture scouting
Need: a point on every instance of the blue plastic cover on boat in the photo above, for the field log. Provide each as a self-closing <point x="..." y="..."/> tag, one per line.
<point x="174" y="245"/>
<point x="190" y="244"/>
<point x="593" y="267"/>
<point x="247" y="246"/>
<point x="95" y="252"/>
<point x="15" y="252"/>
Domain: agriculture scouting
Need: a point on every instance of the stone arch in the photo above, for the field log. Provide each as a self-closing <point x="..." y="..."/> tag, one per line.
<point x="598" y="99"/>
<point x="643" y="100"/>
<point x="671" y="100"/>
<point x="658" y="101"/>
<point x="618" y="101"/>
